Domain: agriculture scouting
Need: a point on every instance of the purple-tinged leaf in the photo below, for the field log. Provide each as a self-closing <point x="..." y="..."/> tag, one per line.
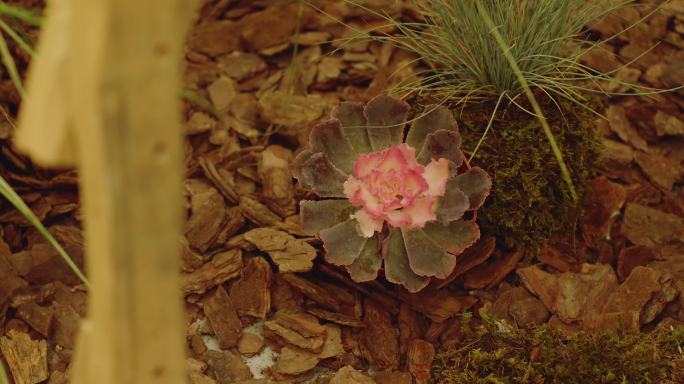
<point x="297" y="165"/>
<point x="434" y="118"/>
<point x="476" y="184"/>
<point x="317" y="215"/>
<point x="343" y="242"/>
<point x="454" y="237"/>
<point x="354" y="124"/>
<point x="452" y="205"/>
<point x="386" y="117"/>
<point x="397" y="267"/>
<point x="366" y="267"/>
<point x="425" y="256"/>
<point x="319" y="175"/>
<point x="327" y="137"/>
<point x="442" y="144"/>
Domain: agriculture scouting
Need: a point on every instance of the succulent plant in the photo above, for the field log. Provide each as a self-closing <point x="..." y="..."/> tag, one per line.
<point x="388" y="196"/>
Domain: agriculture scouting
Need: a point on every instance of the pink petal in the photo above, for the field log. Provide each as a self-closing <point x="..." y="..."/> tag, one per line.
<point x="350" y="187"/>
<point x="436" y="174"/>
<point x="368" y="224"/>
<point x="413" y="185"/>
<point x="365" y="164"/>
<point x="410" y="155"/>
<point x="421" y="211"/>
<point x="394" y="160"/>
<point x="397" y="218"/>
<point x="368" y="201"/>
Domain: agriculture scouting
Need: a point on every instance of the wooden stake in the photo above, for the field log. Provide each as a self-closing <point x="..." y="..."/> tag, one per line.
<point x="118" y="89"/>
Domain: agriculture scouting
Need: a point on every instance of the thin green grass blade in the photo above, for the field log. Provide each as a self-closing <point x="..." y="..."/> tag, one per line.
<point x="18" y="39"/>
<point x="24" y="15"/>
<point x="11" y="66"/>
<point x="11" y="196"/>
<point x="200" y="101"/>
<point x="528" y="92"/>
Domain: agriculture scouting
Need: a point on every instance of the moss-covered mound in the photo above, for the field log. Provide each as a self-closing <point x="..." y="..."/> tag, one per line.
<point x="493" y="353"/>
<point x="530" y="201"/>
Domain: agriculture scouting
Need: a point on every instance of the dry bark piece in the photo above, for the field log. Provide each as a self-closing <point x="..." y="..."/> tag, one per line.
<point x="26" y="358"/>
<point x="379" y="339"/>
<point x="419" y="360"/>
<point x="288" y="253"/>
<point x="36" y="316"/>
<point x="252" y="293"/>
<point x="349" y="375"/>
<point x="276" y="177"/>
<point x="222" y="267"/>
<point x="65" y="325"/>
<point x="208" y="214"/>
<point x="200" y="378"/>
<point x="222" y="92"/>
<point x="215" y="37"/>
<point x="223" y="318"/>
<point x="292" y="362"/>
<point x="662" y="171"/>
<point x="190" y="260"/>
<point x="333" y="342"/>
<point x="47" y="266"/>
<point x="632" y="257"/>
<point x="650" y="227"/>
<point x="621" y="125"/>
<point x="646" y="291"/>
<point x="9" y="283"/>
<point x="393" y="377"/>
<point x="439" y="305"/>
<point x="668" y="125"/>
<point x="226" y="367"/>
<point x="291" y="111"/>
<point x="240" y="65"/>
<point x="335" y="317"/>
<point x="199" y="122"/>
<point x="475" y="255"/>
<point x="493" y="272"/>
<point x="298" y="329"/>
<point x="520" y="308"/>
<point x="250" y="344"/>
<point x="257" y="212"/>
<point x="608" y="199"/>
<point x="313" y="291"/>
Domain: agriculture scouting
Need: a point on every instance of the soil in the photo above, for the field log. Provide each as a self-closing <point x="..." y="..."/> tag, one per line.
<point x="262" y="304"/>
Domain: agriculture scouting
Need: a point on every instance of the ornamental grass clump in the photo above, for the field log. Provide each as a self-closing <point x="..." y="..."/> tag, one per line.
<point x="405" y="199"/>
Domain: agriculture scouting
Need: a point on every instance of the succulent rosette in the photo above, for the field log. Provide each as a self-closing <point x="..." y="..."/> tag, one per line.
<point x="387" y="195"/>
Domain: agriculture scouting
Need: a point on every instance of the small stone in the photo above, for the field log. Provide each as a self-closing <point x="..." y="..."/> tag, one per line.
<point x="250" y="344"/>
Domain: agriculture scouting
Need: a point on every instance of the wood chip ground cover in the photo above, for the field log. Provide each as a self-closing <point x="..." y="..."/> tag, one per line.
<point x="262" y="304"/>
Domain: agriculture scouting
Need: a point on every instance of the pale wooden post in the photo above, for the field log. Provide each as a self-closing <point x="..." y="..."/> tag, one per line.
<point x="103" y="95"/>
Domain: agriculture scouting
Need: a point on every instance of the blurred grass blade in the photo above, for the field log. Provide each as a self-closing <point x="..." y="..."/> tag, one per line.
<point x="3" y="375"/>
<point x="11" y="196"/>
<point x="528" y="92"/>
<point x="27" y="16"/>
<point x="9" y="63"/>
<point x="18" y="39"/>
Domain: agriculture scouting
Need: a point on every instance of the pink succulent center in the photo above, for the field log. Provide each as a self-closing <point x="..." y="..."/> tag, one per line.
<point x="390" y="186"/>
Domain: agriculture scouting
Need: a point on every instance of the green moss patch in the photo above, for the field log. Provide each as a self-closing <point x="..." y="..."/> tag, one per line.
<point x="494" y="353"/>
<point x="530" y="201"/>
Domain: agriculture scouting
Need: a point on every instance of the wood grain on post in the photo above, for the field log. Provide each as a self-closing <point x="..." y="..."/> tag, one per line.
<point x="118" y="81"/>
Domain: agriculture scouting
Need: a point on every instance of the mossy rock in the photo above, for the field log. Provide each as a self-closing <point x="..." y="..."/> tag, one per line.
<point x="530" y="200"/>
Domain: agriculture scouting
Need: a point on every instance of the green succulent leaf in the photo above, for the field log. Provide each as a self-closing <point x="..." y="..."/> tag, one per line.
<point x="317" y="215"/>
<point x="298" y="164"/>
<point x="434" y="118"/>
<point x="442" y="144"/>
<point x="366" y="266"/>
<point x="343" y="242"/>
<point x="354" y="124"/>
<point x="476" y="184"/>
<point x="455" y="237"/>
<point x="425" y="256"/>
<point x="386" y="117"/>
<point x="328" y="137"/>
<point x="452" y="205"/>
<point x="322" y="177"/>
<point x="397" y="266"/>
